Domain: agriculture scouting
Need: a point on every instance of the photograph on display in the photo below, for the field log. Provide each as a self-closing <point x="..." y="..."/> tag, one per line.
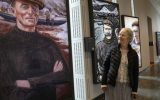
<point x="133" y="23"/>
<point x="158" y="43"/>
<point x="35" y="53"/>
<point x="104" y="22"/>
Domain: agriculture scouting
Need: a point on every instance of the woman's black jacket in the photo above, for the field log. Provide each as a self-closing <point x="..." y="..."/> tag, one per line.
<point x="112" y="64"/>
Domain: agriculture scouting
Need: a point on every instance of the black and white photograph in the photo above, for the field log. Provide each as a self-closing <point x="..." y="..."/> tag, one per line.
<point x="105" y="25"/>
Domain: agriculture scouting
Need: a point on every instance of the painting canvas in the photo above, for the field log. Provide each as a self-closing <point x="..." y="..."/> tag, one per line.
<point x="104" y="22"/>
<point x="53" y="23"/>
<point x="133" y="23"/>
<point x="158" y="43"/>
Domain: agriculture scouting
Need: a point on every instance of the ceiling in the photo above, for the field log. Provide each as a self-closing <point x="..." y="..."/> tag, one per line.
<point x="156" y="4"/>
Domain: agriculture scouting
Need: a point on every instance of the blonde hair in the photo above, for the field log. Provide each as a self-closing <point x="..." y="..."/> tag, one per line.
<point x="129" y="33"/>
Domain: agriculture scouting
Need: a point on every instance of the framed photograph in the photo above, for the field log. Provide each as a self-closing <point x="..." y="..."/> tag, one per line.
<point x="104" y="25"/>
<point x="133" y="23"/>
<point x="53" y="24"/>
<point x="158" y="43"/>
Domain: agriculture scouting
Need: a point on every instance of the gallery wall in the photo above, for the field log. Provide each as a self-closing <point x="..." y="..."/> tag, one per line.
<point x="155" y="16"/>
<point x="125" y="7"/>
<point x="143" y="8"/>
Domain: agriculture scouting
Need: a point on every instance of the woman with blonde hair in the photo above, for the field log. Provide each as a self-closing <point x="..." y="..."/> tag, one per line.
<point x="120" y="78"/>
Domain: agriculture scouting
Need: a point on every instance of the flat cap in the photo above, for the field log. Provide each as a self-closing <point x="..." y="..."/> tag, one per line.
<point x="40" y="3"/>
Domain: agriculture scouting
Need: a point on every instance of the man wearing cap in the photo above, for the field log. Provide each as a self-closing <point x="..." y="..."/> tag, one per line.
<point x="30" y="63"/>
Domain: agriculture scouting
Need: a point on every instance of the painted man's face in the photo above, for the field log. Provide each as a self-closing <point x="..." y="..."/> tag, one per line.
<point x="26" y="14"/>
<point x="135" y="30"/>
<point x="107" y="31"/>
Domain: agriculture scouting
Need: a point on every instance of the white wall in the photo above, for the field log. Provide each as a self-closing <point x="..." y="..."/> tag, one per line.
<point x="155" y="16"/>
<point x="140" y="11"/>
<point x="144" y="8"/>
<point x="125" y="7"/>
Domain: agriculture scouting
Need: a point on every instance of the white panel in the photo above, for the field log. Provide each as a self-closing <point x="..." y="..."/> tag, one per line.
<point x="115" y="1"/>
<point x="78" y="55"/>
<point x="77" y="49"/>
<point x="73" y="1"/>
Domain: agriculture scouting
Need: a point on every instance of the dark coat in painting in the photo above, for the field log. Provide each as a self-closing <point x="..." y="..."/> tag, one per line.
<point x="30" y="56"/>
